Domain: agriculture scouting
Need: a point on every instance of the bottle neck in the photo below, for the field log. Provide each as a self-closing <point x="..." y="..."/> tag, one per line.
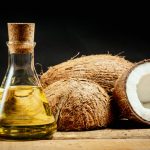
<point x="21" y="70"/>
<point x="21" y="54"/>
<point x="25" y="60"/>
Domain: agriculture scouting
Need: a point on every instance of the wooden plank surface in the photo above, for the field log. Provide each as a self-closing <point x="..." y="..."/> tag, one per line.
<point x="95" y="144"/>
<point x="105" y="134"/>
<point x="106" y="139"/>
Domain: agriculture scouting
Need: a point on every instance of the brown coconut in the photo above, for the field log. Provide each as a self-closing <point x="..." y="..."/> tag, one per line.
<point x="131" y="93"/>
<point x="102" y="69"/>
<point x="79" y="104"/>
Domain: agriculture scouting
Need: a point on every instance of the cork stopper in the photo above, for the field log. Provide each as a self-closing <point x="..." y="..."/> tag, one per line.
<point x="21" y="37"/>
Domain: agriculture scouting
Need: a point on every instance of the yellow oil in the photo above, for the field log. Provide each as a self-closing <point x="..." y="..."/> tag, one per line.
<point x="25" y="113"/>
<point x="1" y="93"/>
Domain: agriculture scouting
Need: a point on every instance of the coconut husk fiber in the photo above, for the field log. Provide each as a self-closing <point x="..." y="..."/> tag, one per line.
<point x="102" y="69"/>
<point x="79" y="104"/>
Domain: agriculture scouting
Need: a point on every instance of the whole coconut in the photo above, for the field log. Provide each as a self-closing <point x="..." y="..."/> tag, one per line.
<point x="102" y="69"/>
<point x="79" y="104"/>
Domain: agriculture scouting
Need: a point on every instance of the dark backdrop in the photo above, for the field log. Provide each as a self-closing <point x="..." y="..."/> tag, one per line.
<point x="60" y="36"/>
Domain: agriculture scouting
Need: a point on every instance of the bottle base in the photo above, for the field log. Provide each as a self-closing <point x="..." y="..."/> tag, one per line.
<point x="28" y="132"/>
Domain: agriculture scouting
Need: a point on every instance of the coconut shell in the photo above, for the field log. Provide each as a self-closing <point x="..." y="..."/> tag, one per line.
<point x="79" y="104"/>
<point x="121" y="99"/>
<point x="102" y="69"/>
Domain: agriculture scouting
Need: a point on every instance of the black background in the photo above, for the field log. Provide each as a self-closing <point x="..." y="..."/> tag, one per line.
<point x="63" y="33"/>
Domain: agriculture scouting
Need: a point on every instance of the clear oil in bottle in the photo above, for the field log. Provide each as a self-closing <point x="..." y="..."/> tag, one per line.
<point x="24" y="109"/>
<point x="26" y="112"/>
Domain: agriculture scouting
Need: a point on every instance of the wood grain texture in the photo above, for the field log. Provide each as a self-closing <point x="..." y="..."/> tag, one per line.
<point x="106" y="139"/>
<point x="95" y="144"/>
<point x="105" y="134"/>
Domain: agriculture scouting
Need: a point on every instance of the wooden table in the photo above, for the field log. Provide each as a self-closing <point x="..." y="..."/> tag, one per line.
<point x="106" y="139"/>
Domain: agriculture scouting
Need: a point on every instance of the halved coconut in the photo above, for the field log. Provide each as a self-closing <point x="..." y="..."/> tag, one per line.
<point x="132" y="93"/>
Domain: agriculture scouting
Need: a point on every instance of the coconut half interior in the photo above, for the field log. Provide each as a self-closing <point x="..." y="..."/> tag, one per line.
<point x="138" y="90"/>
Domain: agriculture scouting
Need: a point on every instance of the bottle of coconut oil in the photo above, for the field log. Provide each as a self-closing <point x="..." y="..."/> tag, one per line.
<point x="24" y="109"/>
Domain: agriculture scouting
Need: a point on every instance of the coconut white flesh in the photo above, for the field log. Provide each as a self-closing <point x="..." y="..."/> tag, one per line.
<point x="138" y="90"/>
<point x="143" y="90"/>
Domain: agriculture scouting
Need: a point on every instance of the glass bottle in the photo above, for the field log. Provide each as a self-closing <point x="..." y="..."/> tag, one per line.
<point x="24" y="109"/>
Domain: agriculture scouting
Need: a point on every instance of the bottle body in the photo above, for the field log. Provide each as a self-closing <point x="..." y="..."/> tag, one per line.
<point x="24" y="109"/>
<point x="26" y="113"/>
